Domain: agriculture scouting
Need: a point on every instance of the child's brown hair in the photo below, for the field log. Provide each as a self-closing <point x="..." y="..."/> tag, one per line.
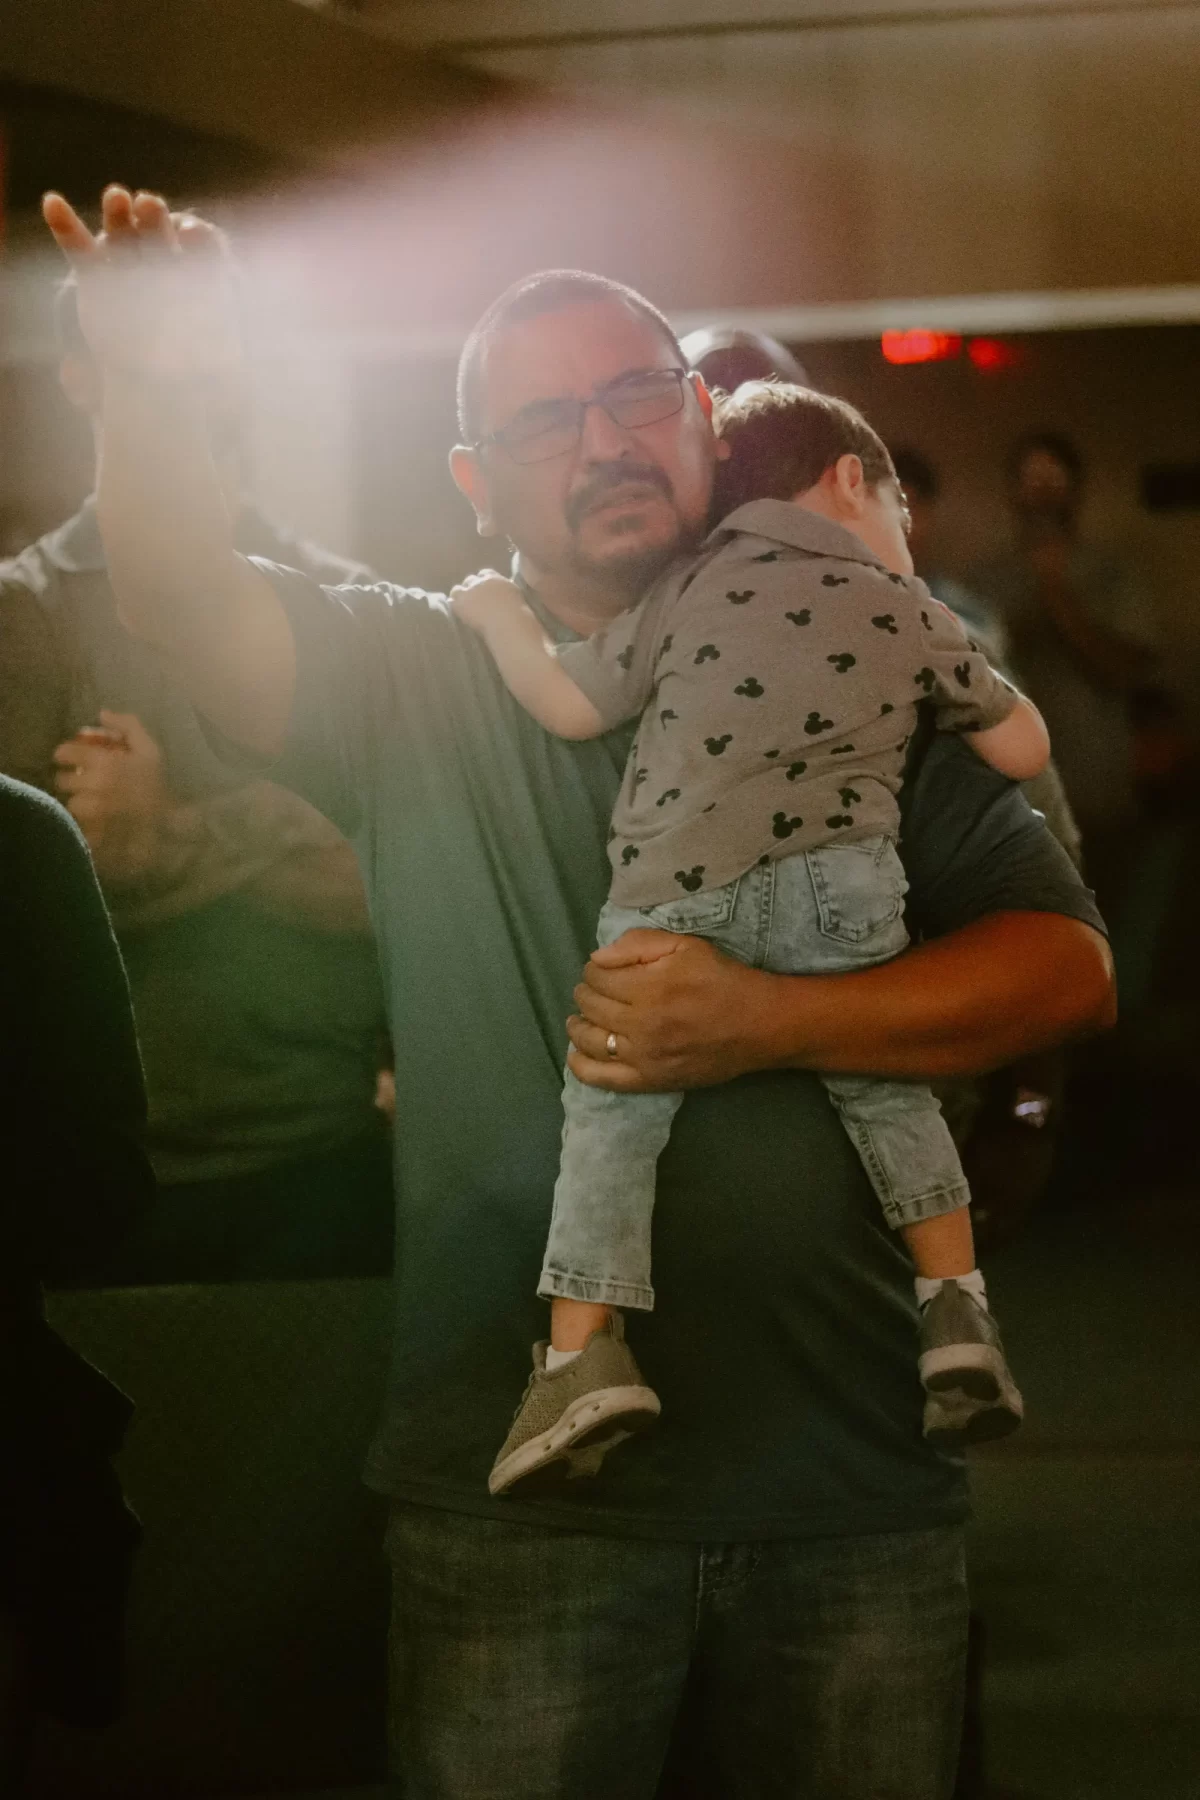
<point x="782" y="438"/>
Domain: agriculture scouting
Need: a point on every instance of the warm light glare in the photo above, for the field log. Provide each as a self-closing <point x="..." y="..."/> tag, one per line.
<point x="903" y="347"/>
<point x="992" y="355"/>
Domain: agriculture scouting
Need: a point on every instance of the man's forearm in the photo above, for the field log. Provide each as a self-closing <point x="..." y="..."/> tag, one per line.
<point x="168" y="543"/>
<point x="1003" y="988"/>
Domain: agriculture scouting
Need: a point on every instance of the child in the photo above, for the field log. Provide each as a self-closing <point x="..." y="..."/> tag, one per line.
<point x="778" y="676"/>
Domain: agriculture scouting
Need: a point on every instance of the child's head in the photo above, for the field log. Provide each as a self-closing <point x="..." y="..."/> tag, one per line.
<point x="790" y="443"/>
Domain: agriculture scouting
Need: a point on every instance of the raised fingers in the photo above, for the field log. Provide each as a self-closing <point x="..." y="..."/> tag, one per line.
<point x="68" y="229"/>
<point x="152" y="221"/>
<point x="117" y="220"/>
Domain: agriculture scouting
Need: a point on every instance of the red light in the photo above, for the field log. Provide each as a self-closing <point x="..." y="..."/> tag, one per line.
<point x="992" y="356"/>
<point x="903" y="347"/>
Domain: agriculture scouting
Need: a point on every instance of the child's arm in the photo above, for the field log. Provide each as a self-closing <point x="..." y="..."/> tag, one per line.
<point x="1019" y="746"/>
<point x="1001" y="725"/>
<point x="496" y="609"/>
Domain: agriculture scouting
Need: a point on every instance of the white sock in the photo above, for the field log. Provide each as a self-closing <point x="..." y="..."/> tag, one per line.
<point x="927" y="1286"/>
<point x="558" y="1359"/>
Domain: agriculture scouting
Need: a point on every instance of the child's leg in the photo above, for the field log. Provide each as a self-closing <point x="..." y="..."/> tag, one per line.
<point x="840" y="908"/>
<point x="943" y="1246"/>
<point x="587" y="1392"/>
<point x="572" y="1322"/>
<point x="598" y="1250"/>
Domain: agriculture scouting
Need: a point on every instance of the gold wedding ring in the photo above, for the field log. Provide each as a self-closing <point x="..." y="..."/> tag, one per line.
<point x="610" y="1043"/>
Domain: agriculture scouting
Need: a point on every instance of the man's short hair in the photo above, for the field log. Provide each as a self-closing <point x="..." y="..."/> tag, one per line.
<point x="1049" y="443"/>
<point x="916" y="474"/>
<point x="782" y="438"/>
<point x="550" y="291"/>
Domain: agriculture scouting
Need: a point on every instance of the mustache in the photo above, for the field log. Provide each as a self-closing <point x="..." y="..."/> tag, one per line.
<point x="608" y="478"/>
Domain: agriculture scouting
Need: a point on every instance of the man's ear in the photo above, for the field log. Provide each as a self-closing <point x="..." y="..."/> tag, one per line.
<point x="472" y="483"/>
<point x="80" y="381"/>
<point x="701" y="391"/>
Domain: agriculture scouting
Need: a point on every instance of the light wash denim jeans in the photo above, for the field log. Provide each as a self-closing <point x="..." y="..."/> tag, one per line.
<point x="824" y="911"/>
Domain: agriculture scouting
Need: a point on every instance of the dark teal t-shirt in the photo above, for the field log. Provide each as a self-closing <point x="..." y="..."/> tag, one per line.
<point x="783" y="1345"/>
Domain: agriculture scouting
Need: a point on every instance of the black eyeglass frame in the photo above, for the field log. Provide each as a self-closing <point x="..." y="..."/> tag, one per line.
<point x="581" y="408"/>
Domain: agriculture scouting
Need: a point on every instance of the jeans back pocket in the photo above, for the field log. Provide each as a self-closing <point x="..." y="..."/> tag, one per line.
<point x="695" y="915"/>
<point x="859" y="888"/>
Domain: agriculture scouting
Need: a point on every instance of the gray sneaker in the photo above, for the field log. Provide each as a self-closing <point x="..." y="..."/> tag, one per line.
<point x="970" y="1395"/>
<point x="578" y="1413"/>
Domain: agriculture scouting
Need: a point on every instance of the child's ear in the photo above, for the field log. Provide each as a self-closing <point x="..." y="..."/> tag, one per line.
<point x="850" y="484"/>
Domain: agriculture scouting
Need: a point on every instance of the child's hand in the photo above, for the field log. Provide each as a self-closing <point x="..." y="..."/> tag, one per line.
<point x="481" y="599"/>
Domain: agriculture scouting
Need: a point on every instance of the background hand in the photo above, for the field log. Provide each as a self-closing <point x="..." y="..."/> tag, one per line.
<point x="111" y="778"/>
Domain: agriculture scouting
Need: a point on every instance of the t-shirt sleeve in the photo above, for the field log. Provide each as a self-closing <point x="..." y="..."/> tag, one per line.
<point x="615" y="667"/>
<point x="972" y="845"/>
<point x="345" y="688"/>
<point x="966" y="692"/>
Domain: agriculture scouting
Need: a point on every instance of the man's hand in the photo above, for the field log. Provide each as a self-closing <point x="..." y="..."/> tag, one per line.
<point x="111" y="778"/>
<point x="683" y="1015"/>
<point x="155" y="293"/>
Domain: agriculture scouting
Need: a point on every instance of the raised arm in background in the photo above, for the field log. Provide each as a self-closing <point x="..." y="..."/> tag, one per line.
<point x="156" y="308"/>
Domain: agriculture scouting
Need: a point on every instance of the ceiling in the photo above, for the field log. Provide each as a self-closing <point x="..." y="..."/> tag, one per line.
<point x="802" y="161"/>
<point x="938" y="147"/>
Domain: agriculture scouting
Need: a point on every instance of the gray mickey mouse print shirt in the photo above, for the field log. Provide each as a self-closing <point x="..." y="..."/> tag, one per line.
<point x="778" y="676"/>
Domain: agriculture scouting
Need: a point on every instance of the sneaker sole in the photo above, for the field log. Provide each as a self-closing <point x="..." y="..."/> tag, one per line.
<point x="591" y="1417"/>
<point x="958" y="1415"/>
<point x="977" y="1369"/>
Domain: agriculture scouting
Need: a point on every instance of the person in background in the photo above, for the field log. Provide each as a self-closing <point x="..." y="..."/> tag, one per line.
<point x="922" y="490"/>
<point x="727" y="355"/>
<point x="1082" y="638"/>
<point x="75" y="1181"/>
<point x="239" y="910"/>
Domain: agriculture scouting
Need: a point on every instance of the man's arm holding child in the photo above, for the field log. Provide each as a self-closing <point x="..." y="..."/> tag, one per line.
<point x="1014" y="962"/>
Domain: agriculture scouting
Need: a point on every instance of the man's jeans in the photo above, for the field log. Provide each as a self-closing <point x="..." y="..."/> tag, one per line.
<point x="824" y="911"/>
<point x="529" y="1663"/>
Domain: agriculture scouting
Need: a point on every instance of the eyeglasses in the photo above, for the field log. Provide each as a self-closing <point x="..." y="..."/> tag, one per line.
<point x="550" y="428"/>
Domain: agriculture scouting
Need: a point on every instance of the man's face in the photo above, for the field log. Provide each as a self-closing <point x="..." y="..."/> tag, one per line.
<point x="884" y="527"/>
<point x="1044" y="491"/>
<point x="612" y="510"/>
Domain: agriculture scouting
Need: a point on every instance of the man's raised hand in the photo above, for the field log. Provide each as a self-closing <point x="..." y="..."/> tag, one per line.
<point x="155" y="289"/>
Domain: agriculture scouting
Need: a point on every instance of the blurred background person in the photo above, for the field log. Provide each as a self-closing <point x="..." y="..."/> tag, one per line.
<point x="922" y="490"/>
<point x="76" y="1180"/>
<point x="1081" y="633"/>
<point x="727" y="355"/>
<point x="239" y="910"/>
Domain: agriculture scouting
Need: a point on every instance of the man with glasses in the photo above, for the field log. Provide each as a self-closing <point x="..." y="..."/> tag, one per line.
<point x="793" y="1545"/>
